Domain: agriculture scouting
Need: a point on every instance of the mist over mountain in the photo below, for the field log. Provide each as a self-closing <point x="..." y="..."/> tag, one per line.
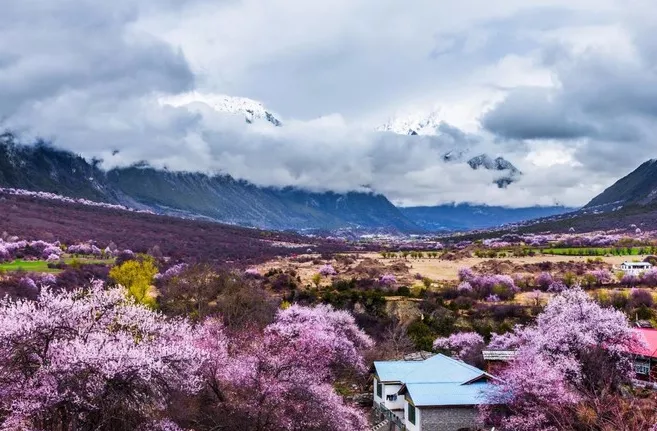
<point x="430" y="124"/>
<point x="222" y="198"/>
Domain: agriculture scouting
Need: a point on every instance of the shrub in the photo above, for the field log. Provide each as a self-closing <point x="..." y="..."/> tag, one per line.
<point x="137" y="276"/>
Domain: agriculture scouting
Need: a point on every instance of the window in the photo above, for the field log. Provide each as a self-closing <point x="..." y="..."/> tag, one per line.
<point x="379" y="389"/>
<point x="411" y="413"/>
<point x="642" y="367"/>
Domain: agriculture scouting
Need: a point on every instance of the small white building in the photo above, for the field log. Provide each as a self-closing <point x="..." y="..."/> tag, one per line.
<point x="436" y="394"/>
<point x="634" y="268"/>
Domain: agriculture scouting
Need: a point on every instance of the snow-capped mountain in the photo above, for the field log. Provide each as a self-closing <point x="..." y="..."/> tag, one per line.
<point x="430" y="123"/>
<point x="421" y="123"/>
<point x="252" y="110"/>
<point x="487" y="162"/>
<point x="484" y="161"/>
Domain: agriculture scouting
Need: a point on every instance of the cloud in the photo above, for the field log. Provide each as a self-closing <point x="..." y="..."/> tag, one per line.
<point x="530" y="113"/>
<point x="604" y="100"/>
<point x="563" y="89"/>
<point x="51" y="50"/>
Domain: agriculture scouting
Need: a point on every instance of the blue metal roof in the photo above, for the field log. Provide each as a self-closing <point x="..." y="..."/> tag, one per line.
<point x="393" y="371"/>
<point x="436" y="381"/>
<point x="447" y="394"/>
<point x="442" y="369"/>
<point x="436" y="369"/>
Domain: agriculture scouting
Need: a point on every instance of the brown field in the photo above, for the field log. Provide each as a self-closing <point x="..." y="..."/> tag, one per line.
<point x="435" y="269"/>
<point x="438" y="269"/>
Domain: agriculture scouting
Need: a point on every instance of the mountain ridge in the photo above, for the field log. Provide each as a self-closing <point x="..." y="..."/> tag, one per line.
<point x="638" y="187"/>
<point x="221" y="198"/>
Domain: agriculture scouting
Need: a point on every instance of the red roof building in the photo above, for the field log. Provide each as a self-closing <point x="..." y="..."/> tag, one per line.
<point x="645" y="361"/>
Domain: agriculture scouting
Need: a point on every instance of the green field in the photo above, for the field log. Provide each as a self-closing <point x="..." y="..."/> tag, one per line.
<point x="42" y="265"/>
<point x="597" y="251"/>
<point x="30" y="266"/>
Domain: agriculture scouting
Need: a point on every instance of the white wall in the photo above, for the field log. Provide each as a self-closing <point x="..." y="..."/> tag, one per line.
<point x="418" y="419"/>
<point x="389" y="389"/>
<point x="392" y="390"/>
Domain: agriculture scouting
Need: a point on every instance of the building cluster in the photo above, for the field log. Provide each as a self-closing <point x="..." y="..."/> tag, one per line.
<point x="434" y="394"/>
<point x="439" y="393"/>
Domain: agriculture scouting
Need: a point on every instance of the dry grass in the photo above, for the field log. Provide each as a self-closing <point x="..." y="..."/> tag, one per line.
<point x="435" y="269"/>
<point x="438" y="269"/>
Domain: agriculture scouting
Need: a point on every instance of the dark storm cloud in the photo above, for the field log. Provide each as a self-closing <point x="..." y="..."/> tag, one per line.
<point x="599" y="96"/>
<point x="53" y="49"/>
<point x="530" y="114"/>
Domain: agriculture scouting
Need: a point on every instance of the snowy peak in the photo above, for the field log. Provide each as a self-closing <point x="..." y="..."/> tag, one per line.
<point x="484" y="161"/>
<point x="421" y="123"/>
<point x="487" y="162"/>
<point x="252" y="110"/>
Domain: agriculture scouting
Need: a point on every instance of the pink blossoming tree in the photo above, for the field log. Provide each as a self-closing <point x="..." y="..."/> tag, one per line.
<point x="574" y="352"/>
<point x="466" y="346"/>
<point x="281" y="380"/>
<point x="91" y="360"/>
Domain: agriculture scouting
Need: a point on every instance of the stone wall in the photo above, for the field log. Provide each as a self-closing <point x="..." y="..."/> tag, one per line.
<point x="449" y="418"/>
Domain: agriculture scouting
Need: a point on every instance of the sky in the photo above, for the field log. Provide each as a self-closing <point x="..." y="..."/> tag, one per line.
<point x="564" y="89"/>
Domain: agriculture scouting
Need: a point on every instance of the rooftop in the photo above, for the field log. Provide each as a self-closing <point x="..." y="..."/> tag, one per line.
<point x="436" y="369"/>
<point x="436" y="381"/>
<point x="446" y="394"/>
<point x="637" y="264"/>
<point x="650" y="337"/>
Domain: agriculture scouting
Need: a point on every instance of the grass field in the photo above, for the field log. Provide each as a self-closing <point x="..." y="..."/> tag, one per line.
<point x="597" y="251"/>
<point x="42" y="265"/>
<point x="30" y="266"/>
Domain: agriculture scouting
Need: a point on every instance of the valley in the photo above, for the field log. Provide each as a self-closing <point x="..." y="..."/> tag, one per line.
<point x="365" y="215"/>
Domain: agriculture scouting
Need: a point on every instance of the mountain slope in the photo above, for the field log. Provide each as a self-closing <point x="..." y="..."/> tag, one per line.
<point x="638" y="187"/>
<point x="195" y="195"/>
<point x="466" y="217"/>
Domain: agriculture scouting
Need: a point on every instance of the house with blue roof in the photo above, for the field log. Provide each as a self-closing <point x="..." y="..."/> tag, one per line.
<point x="436" y="394"/>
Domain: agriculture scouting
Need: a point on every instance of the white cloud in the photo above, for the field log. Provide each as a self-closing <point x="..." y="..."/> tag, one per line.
<point x="562" y="86"/>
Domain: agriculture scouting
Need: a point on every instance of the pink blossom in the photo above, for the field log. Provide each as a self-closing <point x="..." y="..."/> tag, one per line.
<point x="29" y="284"/>
<point x="53" y="258"/>
<point x="252" y="272"/>
<point x="553" y="361"/>
<point x="388" y="279"/>
<point x="327" y="270"/>
<point x="56" y="197"/>
<point x="94" y="355"/>
<point x="629" y="280"/>
<point x="464" y="286"/>
<point x="649" y="277"/>
<point x="492" y="298"/>
<point x="462" y="344"/>
<point x="282" y="378"/>
<point x="466" y="274"/>
<point x="603" y="276"/>
<point x="557" y="286"/>
<point x="173" y="271"/>
<point x="544" y="280"/>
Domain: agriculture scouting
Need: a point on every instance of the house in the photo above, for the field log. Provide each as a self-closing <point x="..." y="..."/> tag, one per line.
<point x="495" y="360"/>
<point x="435" y="394"/>
<point x="645" y="359"/>
<point x="635" y="268"/>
